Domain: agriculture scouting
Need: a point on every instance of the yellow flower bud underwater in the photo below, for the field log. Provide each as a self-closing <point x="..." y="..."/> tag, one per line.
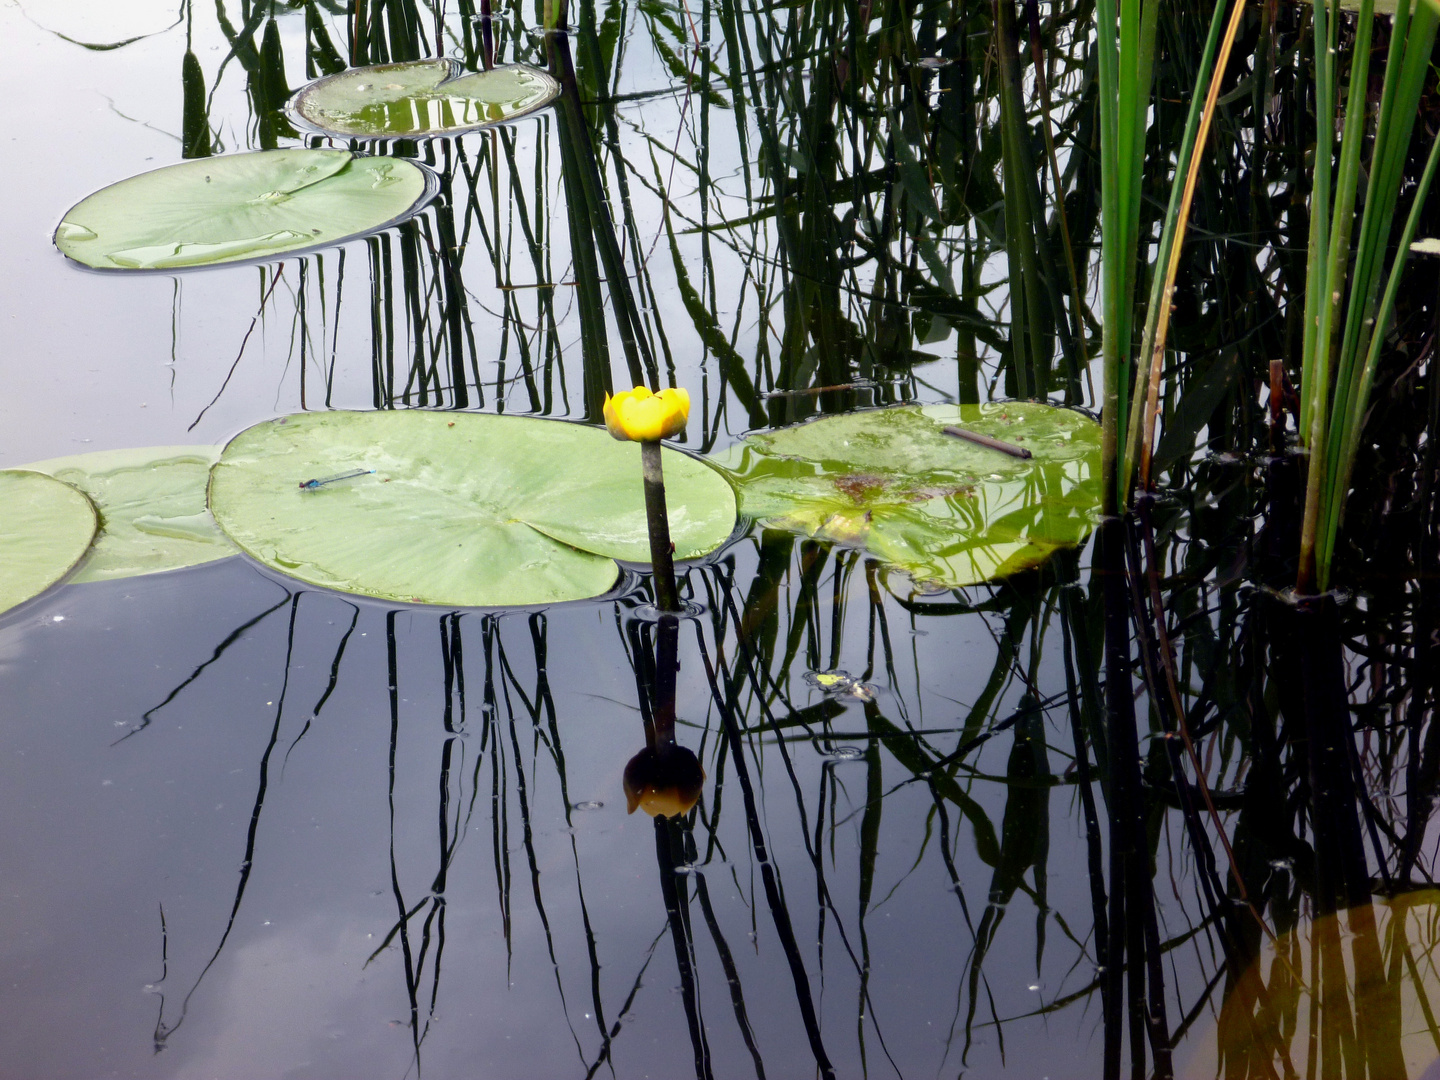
<point x="640" y="416"/>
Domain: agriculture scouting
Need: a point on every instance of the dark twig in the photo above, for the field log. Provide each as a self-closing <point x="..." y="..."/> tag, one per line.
<point x="988" y="442"/>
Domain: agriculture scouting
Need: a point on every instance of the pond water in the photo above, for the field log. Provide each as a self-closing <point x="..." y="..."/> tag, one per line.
<point x="253" y="828"/>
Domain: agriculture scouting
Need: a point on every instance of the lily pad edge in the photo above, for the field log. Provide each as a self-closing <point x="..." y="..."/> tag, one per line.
<point x="130" y="457"/>
<point x="6" y="614"/>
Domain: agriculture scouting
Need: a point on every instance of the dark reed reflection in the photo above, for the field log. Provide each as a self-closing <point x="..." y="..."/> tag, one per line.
<point x="165" y="1028"/>
<point x="540" y="273"/>
<point x="665" y="779"/>
<point x="749" y="716"/>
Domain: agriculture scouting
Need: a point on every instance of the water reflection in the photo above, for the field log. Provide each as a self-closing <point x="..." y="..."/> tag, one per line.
<point x="665" y="778"/>
<point x="951" y="862"/>
<point x="852" y="811"/>
<point x="501" y="759"/>
<point x="1348" y="994"/>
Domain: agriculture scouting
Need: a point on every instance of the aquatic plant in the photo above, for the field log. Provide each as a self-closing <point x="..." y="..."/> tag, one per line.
<point x="419" y="99"/>
<point x="639" y="416"/>
<point x="241" y="207"/>
<point x="867" y="205"/>
<point x="460" y="509"/>
<point x="1341" y="352"/>
<point x="912" y="487"/>
<point x="48" y="526"/>
<point x="151" y="502"/>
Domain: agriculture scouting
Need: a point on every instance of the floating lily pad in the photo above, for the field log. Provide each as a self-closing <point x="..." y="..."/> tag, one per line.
<point x="45" y="530"/>
<point x="460" y="509"/>
<point x="945" y="511"/>
<point x="420" y="99"/>
<point x="244" y="206"/>
<point x="152" y="508"/>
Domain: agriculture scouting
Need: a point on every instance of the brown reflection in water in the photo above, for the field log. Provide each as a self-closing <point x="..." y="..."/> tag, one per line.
<point x="1351" y="994"/>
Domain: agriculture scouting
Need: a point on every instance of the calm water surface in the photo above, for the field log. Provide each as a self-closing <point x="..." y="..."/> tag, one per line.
<point x="251" y="829"/>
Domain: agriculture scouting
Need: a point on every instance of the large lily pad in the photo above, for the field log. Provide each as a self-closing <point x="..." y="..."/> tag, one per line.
<point x="460" y="509"/>
<point x="244" y="206"/>
<point x="420" y="99"/>
<point x="45" y="530"/>
<point x="152" y="508"/>
<point x="944" y="511"/>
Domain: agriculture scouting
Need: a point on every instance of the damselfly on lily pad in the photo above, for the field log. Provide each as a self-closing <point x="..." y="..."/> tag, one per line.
<point x="459" y="509"/>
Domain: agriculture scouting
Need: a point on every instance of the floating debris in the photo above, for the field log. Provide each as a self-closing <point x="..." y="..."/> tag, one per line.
<point x="840" y="684"/>
<point x="986" y="441"/>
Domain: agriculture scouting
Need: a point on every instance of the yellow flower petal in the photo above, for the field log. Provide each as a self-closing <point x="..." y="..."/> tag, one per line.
<point x="640" y="416"/>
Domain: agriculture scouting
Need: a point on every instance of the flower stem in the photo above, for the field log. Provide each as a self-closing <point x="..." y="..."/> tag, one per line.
<point x="666" y="596"/>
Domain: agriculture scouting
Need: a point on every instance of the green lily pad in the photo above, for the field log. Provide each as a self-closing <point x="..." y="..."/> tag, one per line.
<point x="944" y="511"/>
<point x="420" y="99"/>
<point x="460" y="509"/>
<point x="243" y="206"/>
<point x="45" y="530"/>
<point x="152" y="508"/>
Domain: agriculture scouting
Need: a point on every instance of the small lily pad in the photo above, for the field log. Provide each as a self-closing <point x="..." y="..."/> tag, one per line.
<point x="241" y="207"/>
<point x="460" y="509"/>
<point x="420" y="99"/>
<point x="945" y="511"/>
<point x="152" y="508"/>
<point x="45" y="530"/>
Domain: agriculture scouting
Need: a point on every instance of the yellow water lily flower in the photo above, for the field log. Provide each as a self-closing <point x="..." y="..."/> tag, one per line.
<point x="640" y="416"/>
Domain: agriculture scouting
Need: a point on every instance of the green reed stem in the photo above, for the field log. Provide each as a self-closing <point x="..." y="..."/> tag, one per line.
<point x="1125" y="44"/>
<point x="1338" y="375"/>
<point x="1315" y="360"/>
<point x="1168" y="256"/>
<point x="1366" y="317"/>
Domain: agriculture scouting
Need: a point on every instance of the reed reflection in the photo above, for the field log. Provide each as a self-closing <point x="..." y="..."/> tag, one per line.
<point x="665" y="779"/>
<point x="165" y="1027"/>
